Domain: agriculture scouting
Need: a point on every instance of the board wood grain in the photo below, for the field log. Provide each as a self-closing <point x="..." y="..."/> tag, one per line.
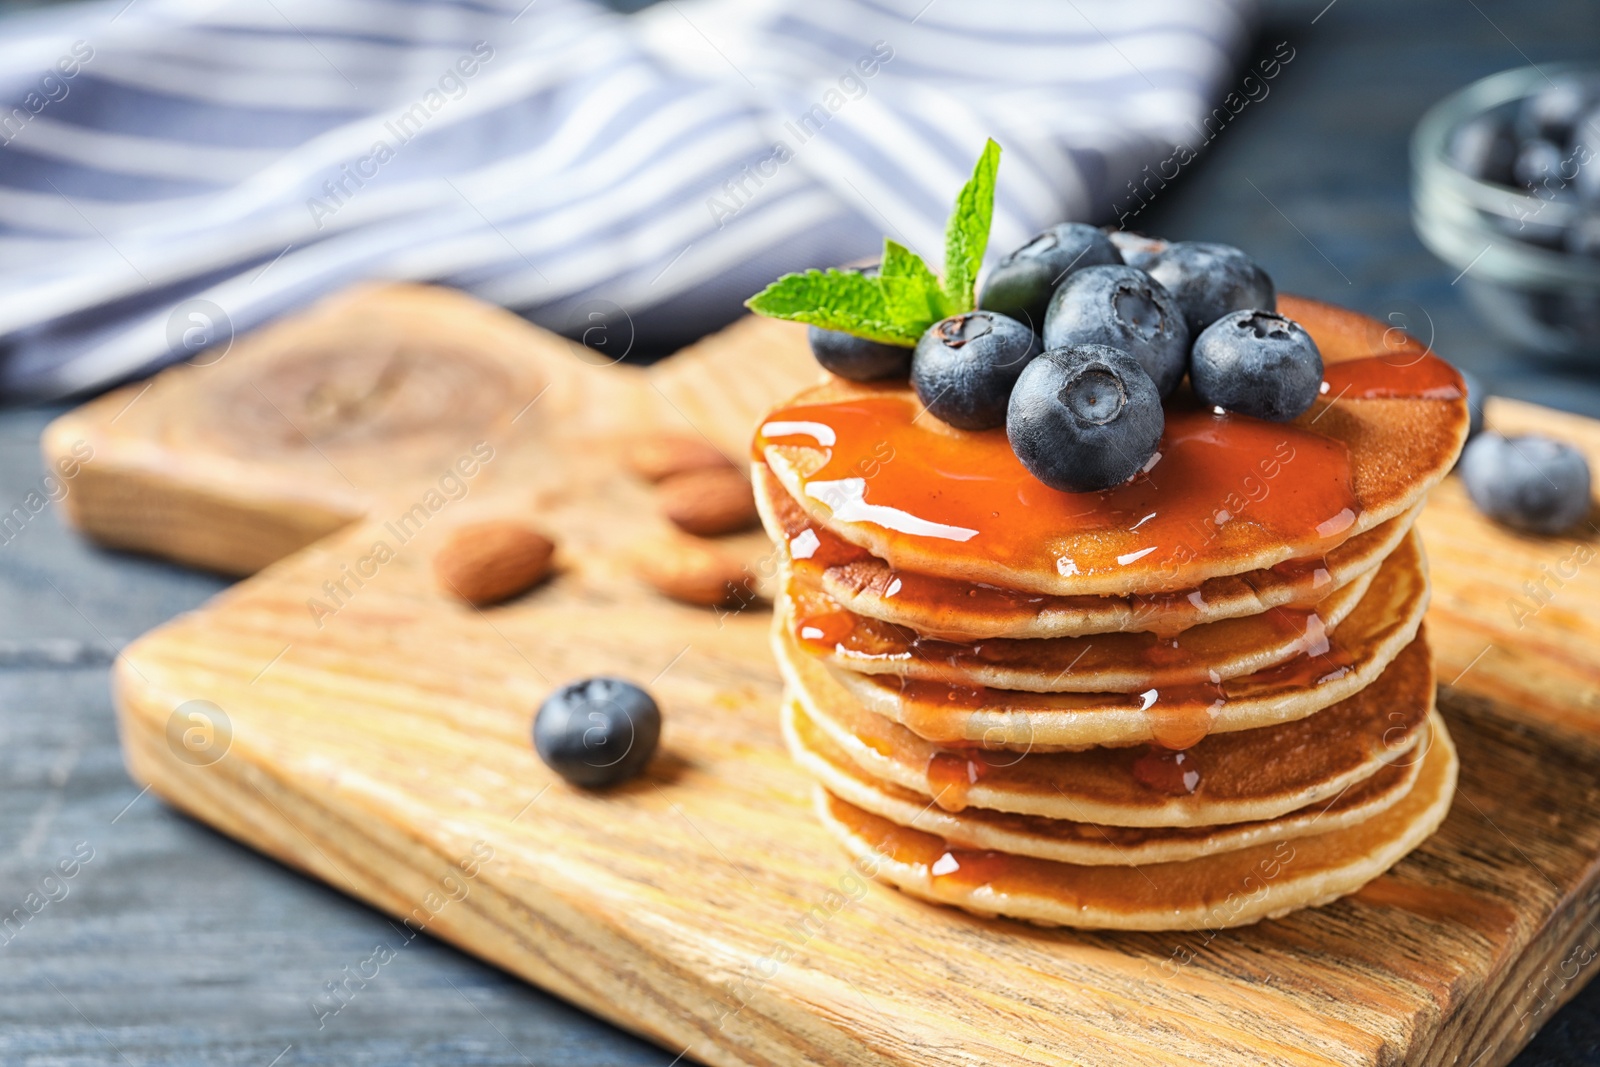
<point x="375" y="732"/>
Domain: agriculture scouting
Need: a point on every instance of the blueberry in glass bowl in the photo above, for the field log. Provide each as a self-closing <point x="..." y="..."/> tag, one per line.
<point x="1506" y="190"/>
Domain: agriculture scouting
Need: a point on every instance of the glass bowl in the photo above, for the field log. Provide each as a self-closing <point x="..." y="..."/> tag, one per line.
<point x="1506" y="242"/>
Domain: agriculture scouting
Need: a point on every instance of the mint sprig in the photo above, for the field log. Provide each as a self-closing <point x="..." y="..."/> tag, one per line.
<point x="905" y="297"/>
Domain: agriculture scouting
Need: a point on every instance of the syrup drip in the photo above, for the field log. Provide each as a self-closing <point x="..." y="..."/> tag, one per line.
<point x="825" y="630"/>
<point x="1180" y="716"/>
<point x="970" y="867"/>
<point x="1305" y="671"/>
<point x="927" y="709"/>
<point x="1167" y="771"/>
<point x="823" y="549"/>
<point x="1315" y="569"/>
<point x="951" y="776"/>
<point x="1322" y="662"/>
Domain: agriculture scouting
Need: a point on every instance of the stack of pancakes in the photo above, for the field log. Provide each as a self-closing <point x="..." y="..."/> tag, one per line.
<point x="1195" y="701"/>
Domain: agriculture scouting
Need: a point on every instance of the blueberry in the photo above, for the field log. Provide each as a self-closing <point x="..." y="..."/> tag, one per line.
<point x="1484" y="148"/>
<point x="965" y="366"/>
<point x="1125" y="308"/>
<point x="1532" y="483"/>
<point x="1210" y="280"/>
<point x="1475" y="398"/>
<point x="1137" y="249"/>
<point x="1537" y="163"/>
<point x="1084" y="418"/>
<point x="1256" y="363"/>
<point x="1020" y="284"/>
<point x="597" y="732"/>
<point x="857" y="358"/>
<point x="1551" y="113"/>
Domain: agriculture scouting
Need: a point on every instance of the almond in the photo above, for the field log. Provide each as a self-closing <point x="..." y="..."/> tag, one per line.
<point x="486" y="562"/>
<point x="659" y="456"/>
<point x="694" y="571"/>
<point x="709" y="502"/>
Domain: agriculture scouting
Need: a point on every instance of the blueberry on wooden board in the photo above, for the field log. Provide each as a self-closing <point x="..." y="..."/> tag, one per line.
<point x="597" y="732"/>
<point x="1530" y="482"/>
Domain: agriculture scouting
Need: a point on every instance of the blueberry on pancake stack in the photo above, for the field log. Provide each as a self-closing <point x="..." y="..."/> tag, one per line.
<point x="1133" y="638"/>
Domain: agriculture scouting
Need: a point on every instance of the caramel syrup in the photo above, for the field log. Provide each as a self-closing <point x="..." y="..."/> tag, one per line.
<point x="1166" y="771"/>
<point x="1181" y="659"/>
<point x="1178" y="716"/>
<point x="1402" y="376"/>
<point x="1218" y="485"/>
<point x="970" y="867"/>
<point x="1165" y="614"/>
<point x="819" y="548"/>
<point x="825" y="630"/>
<point x="954" y="697"/>
<point x="926" y="707"/>
<point x="951" y="776"/>
<point x="946" y="863"/>
<point x="1161" y="613"/>
<point x="1220" y="482"/>
<point x="1314" y="571"/>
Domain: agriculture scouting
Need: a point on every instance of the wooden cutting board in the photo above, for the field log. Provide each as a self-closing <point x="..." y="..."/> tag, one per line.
<point x="337" y="712"/>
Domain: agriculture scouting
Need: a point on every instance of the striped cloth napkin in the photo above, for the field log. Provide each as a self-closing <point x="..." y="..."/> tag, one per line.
<point x="175" y="171"/>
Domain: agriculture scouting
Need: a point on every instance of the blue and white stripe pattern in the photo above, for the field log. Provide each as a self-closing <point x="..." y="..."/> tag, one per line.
<point x="552" y="156"/>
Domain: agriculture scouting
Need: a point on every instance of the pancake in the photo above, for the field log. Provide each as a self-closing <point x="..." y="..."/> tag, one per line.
<point x="1383" y="623"/>
<point x="1225" y="890"/>
<point x="1101" y="663"/>
<point x="1245" y="776"/>
<point x="1015" y="719"/>
<point x="1083" y="843"/>
<point x="1224" y="495"/>
<point x="868" y="586"/>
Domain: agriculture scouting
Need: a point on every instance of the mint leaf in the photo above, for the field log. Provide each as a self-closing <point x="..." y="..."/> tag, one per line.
<point x="906" y="297"/>
<point x="835" y="300"/>
<point x="966" y="235"/>
<point x="911" y="290"/>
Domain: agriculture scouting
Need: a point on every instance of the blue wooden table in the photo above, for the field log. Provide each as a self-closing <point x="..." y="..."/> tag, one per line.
<point x="169" y="944"/>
